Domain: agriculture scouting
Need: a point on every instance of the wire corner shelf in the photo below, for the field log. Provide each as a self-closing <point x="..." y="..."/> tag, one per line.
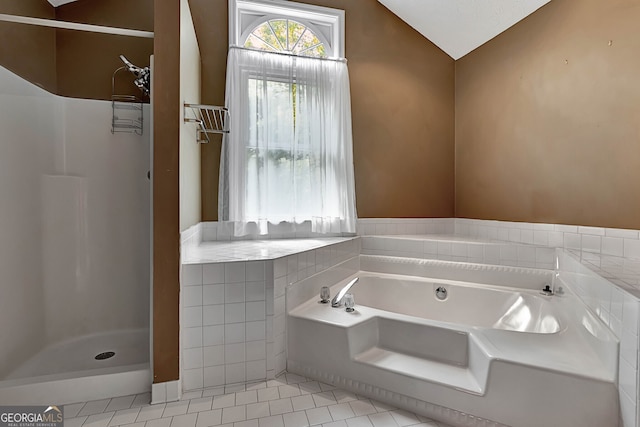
<point x="211" y="119"/>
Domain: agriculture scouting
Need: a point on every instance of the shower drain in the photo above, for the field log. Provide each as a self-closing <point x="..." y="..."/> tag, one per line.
<point x="105" y="355"/>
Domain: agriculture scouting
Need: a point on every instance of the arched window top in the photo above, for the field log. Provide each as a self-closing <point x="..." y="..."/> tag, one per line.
<point x="277" y="25"/>
<point x="286" y="35"/>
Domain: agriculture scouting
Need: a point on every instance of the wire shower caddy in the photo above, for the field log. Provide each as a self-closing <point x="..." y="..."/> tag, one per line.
<point x="126" y="110"/>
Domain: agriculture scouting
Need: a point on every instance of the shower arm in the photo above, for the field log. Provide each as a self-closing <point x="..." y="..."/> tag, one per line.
<point x="142" y="75"/>
<point x="133" y="69"/>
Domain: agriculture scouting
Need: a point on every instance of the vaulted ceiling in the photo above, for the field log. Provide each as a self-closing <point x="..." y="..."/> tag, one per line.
<point x="459" y="26"/>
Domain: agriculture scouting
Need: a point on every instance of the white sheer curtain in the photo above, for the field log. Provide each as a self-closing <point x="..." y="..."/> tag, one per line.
<point x="288" y="156"/>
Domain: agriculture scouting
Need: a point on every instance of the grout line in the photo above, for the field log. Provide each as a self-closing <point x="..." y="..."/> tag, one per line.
<point x="332" y="402"/>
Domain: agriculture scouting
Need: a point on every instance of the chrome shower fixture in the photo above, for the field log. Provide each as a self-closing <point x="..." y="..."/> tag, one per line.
<point x="143" y="75"/>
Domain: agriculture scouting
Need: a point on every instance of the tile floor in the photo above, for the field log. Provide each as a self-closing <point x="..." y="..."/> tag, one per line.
<point x="288" y="401"/>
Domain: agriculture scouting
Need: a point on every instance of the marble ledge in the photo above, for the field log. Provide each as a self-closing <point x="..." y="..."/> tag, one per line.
<point x="253" y="250"/>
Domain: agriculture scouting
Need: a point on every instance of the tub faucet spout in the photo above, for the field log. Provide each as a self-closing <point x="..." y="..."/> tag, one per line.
<point x="337" y="300"/>
<point x="550" y="288"/>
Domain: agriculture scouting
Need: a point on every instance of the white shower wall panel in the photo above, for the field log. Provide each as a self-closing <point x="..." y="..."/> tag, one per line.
<point x="26" y="153"/>
<point x="110" y="283"/>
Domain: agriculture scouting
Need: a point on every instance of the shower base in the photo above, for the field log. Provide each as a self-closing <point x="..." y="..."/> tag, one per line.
<point x="69" y="372"/>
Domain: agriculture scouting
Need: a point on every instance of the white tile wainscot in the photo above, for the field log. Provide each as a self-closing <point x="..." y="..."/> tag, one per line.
<point x="233" y="303"/>
<point x="590" y="276"/>
<point x="606" y="241"/>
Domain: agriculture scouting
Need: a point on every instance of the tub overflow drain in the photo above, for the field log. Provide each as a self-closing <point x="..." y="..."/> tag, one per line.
<point x="105" y="355"/>
<point x="441" y="293"/>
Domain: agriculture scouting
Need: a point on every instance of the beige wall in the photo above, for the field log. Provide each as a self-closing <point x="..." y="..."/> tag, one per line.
<point x="132" y="14"/>
<point x="402" y="104"/>
<point x="27" y="50"/>
<point x="210" y="21"/>
<point x="76" y="63"/>
<point x="189" y="149"/>
<point x="548" y="118"/>
<point x="86" y="61"/>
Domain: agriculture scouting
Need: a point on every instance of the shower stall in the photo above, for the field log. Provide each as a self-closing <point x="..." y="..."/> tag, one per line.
<point x="74" y="249"/>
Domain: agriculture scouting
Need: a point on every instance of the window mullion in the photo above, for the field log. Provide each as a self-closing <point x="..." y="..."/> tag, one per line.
<point x="276" y="36"/>
<point x="311" y="47"/>
<point x="286" y="30"/>
<point x="299" y="38"/>
<point x="266" y="42"/>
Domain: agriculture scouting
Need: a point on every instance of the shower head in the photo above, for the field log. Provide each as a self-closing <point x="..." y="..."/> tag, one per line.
<point x="135" y="70"/>
<point x="143" y="78"/>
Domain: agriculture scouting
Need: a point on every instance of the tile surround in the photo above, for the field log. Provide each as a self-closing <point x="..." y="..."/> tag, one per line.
<point x="219" y="327"/>
<point x="619" y="242"/>
<point x="449" y="236"/>
<point x="388" y="226"/>
<point x="606" y="241"/>
<point x="612" y="293"/>
<point x="452" y="248"/>
<point x="233" y="312"/>
<point x="223" y="232"/>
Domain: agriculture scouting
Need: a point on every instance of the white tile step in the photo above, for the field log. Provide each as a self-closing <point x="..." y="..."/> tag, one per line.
<point x="459" y="377"/>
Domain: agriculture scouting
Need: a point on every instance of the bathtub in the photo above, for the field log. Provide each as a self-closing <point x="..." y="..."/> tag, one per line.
<point x="485" y="354"/>
<point x="513" y="310"/>
<point x="68" y="372"/>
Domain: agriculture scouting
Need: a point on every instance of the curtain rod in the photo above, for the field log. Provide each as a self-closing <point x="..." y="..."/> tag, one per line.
<point x="343" y="60"/>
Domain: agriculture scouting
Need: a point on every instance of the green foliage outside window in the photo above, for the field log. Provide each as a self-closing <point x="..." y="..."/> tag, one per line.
<point x="285" y="35"/>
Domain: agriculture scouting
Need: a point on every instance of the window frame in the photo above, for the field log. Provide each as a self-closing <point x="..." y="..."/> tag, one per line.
<point x="326" y="23"/>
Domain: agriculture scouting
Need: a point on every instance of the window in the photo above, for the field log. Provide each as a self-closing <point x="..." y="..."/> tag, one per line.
<point x="288" y="156"/>
<point x="285" y="35"/>
<point x="326" y="24"/>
